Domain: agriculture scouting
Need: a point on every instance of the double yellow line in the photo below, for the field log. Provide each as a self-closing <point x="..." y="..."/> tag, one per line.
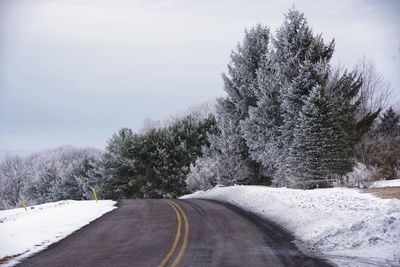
<point x="178" y="212"/>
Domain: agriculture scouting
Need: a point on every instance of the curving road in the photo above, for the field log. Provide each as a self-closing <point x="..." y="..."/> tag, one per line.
<point x="175" y="233"/>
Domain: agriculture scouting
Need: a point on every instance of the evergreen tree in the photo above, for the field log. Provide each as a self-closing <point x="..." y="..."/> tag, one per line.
<point x="389" y="125"/>
<point x="261" y="128"/>
<point x="295" y="44"/>
<point x="186" y="139"/>
<point x="118" y="161"/>
<point x="230" y="149"/>
<point x="310" y="76"/>
<point x="302" y="61"/>
<point x="155" y="163"/>
<point x="317" y="151"/>
<point x="229" y="153"/>
<point x="267" y="102"/>
<point x="344" y="90"/>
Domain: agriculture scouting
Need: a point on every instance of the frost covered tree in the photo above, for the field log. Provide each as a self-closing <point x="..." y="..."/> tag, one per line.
<point x="229" y="153"/>
<point x="268" y="88"/>
<point x="230" y="149"/>
<point x="13" y="180"/>
<point x="43" y="187"/>
<point x="310" y="76"/>
<point x="50" y="175"/>
<point x="60" y="173"/>
<point x="301" y="58"/>
<point x="78" y="178"/>
<point x="261" y="128"/>
<point x="202" y="174"/>
<point x="295" y="44"/>
<point x="298" y="60"/>
<point x="317" y="151"/>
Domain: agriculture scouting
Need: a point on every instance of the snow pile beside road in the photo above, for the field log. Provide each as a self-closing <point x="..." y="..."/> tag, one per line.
<point x="385" y="183"/>
<point x="27" y="232"/>
<point x="338" y="222"/>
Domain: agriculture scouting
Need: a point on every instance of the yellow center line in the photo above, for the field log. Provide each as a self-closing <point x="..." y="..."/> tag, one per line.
<point x="177" y="237"/>
<point x="185" y="237"/>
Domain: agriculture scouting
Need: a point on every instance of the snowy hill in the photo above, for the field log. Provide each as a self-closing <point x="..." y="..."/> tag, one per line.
<point x="24" y="233"/>
<point x="345" y="225"/>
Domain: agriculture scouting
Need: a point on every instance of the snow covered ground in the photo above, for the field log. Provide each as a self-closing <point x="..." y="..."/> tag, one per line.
<point x="346" y="226"/>
<point x="27" y="232"/>
<point x="385" y="183"/>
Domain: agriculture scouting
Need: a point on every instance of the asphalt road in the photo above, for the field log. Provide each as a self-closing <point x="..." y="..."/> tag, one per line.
<point x="175" y="233"/>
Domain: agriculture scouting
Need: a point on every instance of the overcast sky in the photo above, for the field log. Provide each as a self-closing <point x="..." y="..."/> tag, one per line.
<point x="74" y="72"/>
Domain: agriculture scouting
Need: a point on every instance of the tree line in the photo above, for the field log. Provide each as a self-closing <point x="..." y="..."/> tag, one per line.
<point x="150" y="164"/>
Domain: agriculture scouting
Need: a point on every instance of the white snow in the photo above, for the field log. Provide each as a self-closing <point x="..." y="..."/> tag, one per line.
<point x="349" y="227"/>
<point x="27" y="232"/>
<point x="385" y="183"/>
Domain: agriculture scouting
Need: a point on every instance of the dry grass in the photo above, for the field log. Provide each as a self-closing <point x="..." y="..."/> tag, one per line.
<point x="8" y="258"/>
<point x="385" y="192"/>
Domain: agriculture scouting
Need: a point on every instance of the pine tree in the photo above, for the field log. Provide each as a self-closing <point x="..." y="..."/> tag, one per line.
<point x="261" y="128"/>
<point x="389" y="125"/>
<point x="230" y="149"/>
<point x="295" y="44"/>
<point x="317" y="151"/>
<point x="302" y="59"/>
<point x="344" y="88"/>
<point x="118" y="161"/>
<point x="155" y="163"/>
<point x="226" y="150"/>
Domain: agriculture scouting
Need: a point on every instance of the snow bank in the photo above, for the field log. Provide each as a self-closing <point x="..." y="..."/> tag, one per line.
<point x="341" y="223"/>
<point x="27" y="232"/>
<point x="385" y="183"/>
